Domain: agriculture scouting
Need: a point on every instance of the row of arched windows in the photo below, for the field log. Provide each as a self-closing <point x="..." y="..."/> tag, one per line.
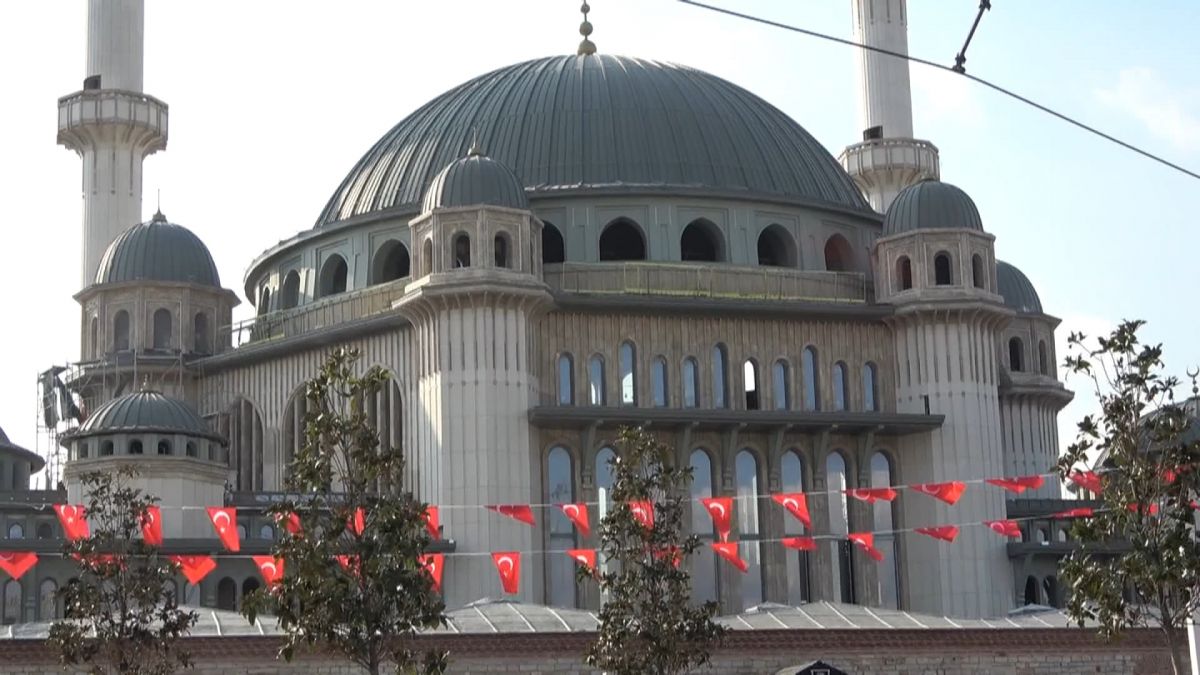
<point x="13" y="601"/>
<point x="943" y="271"/>
<point x="86" y="449"/>
<point x="162" y="332"/>
<point x="689" y="395"/>
<point x="1016" y="356"/>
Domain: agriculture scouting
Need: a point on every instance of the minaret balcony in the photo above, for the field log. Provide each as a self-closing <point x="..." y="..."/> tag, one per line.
<point x="82" y="114"/>
<point x="882" y="167"/>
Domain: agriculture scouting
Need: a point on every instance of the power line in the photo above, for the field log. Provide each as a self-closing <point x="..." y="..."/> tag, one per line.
<point x="950" y="69"/>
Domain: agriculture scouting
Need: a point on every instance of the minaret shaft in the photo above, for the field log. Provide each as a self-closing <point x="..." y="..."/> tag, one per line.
<point x="885" y="96"/>
<point x="115" y="43"/>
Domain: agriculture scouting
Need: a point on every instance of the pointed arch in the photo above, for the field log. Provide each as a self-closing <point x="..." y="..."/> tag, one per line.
<point x="554" y="249"/>
<point x="333" y="277"/>
<point x="776" y="247"/>
<point x="241" y="424"/>
<point x="703" y="562"/>
<point x="839" y="255"/>
<point x="561" y="535"/>
<point x="289" y="297"/>
<point x="622" y="239"/>
<point x="391" y="262"/>
<point x="701" y="241"/>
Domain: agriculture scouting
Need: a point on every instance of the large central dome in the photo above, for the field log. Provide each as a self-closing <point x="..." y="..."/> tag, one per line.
<point x="600" y="122"/>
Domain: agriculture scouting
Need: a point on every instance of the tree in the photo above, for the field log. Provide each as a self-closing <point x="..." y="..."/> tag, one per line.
<point x="123" y="616"/>
<point x="1148" y="574"/>
<point x="350" y="508"/>
<point x="648" y="623"/>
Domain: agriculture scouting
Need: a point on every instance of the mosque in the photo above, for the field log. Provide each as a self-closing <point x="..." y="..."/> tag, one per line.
<point x="540" y="256"/>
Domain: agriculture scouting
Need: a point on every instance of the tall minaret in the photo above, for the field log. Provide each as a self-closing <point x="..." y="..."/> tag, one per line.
<point x="889" y="159"/>
<point x="112" y="125"/>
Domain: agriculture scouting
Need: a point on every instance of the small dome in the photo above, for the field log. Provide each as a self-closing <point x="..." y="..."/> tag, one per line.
<point x="158" y="251"/>
<point x="145" y="411"/>
<point x="8" y="447"/>
<point x="475" y="179"/>
<point x="931" y="205"/>
<point x="1016" y="289"/>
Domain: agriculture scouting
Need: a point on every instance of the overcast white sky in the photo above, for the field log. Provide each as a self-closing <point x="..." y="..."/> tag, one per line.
<point x="273" y="101"/>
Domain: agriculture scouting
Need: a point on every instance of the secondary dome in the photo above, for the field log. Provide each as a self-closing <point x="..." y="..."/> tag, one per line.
<point x="600" y="122"/>
<point x="1016" y="289"/>
<point x="931" y="205"/>
<point x="475" y="179"/>
<point x="7" y="447"/>
<point x="145" y="411"/>
<point x="158" y="251"/>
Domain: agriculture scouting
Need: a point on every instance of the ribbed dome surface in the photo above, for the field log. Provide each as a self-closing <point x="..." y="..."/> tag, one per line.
<point x="475" y="179"/>
<point x="931" y="205"/>
<point x="600" y="121"/>
<point x="145" y="411"/>
<point x="1017" y="290"/>
<point x="158" y="251"/>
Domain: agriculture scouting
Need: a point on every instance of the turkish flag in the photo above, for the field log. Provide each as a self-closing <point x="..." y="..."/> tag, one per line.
<point x="269" y="567"/>
<point x="721" y="510"/>
<point x="796" y="504"/>
<point x="152" y="526"/>
<point x="584" y="556"/>
<point x="675" y="553"/>
<point x="799" y="543"/>
<point x="943" y="532"/>
<point x="1007" y="528"/>
<point x="1135" y="508"/>
<point x="643" y="512"/>
<point x="358" y="523"/>
<point x="948" y="492"/>
<point x="1017" y="485"/>
<point x="290" y="522"/>
<point x="509" y="565"/>
<point x="1079" y="512"/>
<point x="872" y="495"/>
<point x="866" y="541"/>
<point x="1088" y="480"/>
<point x="521" y="512"/>
<point x="577" y="514"/>
<point x="350" y="563"/>
<point x="17" y="564"/>
<point x="435" y="564"/>
<point x="194" y="567"/>
<point x="224" y="521"/>
<point x="432" y="525"/>
<point x="729" y="551"/>
<point x="73" y="521"/>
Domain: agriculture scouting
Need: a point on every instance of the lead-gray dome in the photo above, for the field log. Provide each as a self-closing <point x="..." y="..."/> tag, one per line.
<point x="931" y="205"/>
<point x="600" y="122"/>
<point x="158" y="251"/>
<point x="473" y="180"/>
<point x="8" y="447"/>
<point x="1016" y="289"/>
<point x="145" y="412"/>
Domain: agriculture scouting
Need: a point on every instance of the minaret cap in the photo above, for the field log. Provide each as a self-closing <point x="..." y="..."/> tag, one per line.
<point x="586" y="46"/>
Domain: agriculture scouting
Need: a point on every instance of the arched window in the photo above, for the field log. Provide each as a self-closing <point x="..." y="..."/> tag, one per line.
<point x="604" y="479"/>
<point x="560" y="569"/>
<point x="750" y="385"/>
<point x="885" y="540"/>
<point x="12" y="602"/>
<point x="121" y="331"/>
<point x="781" y="386"/>
<point x="333" y="276"/>
<point x="704" y="561"/>
<point x="95" y="343"/>
<point x="1016" y="353"/>
<point x="289" y="297"/>
<point x="461" y="245"/>
<point x="1050" y="586"/>
<point x="566" y="379"/>
<point x="1041" y="536"/>
<point x="249" y="586"/>
<point x="266" y="532"/>
<point x="391" y="262"/>
<point x="840" y="401"/>
<point x="106" y="448"/>
<point x="691" y="383"/>
<point x="500" y="247"/>
<point x="162" y="329"/>
<point x="44" y="531"/>
<point x="843" y="574"/>
<point x="791" y="476"/>
<point x="16" y="531"/>
<point x="135" y="447"/>
<point x="82" y="451"/>
<point x="903" y="273"/>
<point x="701" y="241"/>
<point x="264" y="300"/>
<point x="243" y="426"/>
<point x="870" y="391"/>
<point x="164" y="446"/>
<point x="622" y="240"/>
<point x="200" y="340"/>
<point x="812" y="391"/>
<point x="596" y="388"/>
<point x="191" y="450"/>
<point x="1043" y="358"/>
<point x="746" y="468"/>
<point x="977" y="272"/>
<point x="427" y="256"/>
<point x="839" y="257"/>
<point x="776" y="248"/>
<point x="720" y="376"/>
<point x="553" y="248"/>
<point x="47" y="600"/>
<point x="1031" y="591"/>
<point x="941" y="269"/>
<point x="627" y="358"/>
<point x="658" y="382"/>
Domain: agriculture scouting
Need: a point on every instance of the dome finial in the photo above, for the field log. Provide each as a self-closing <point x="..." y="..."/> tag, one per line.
<point x="586" y="46"/>
<point x="475" y="150"/>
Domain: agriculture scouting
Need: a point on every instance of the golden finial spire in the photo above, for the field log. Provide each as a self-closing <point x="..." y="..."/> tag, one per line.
<point x="586" y="46"/>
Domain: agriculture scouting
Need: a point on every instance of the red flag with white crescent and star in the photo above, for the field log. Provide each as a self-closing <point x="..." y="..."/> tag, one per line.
<point x="521" y="512"/>
<point x="508" y="564"/>
<point x="866" y="541"/>
<point x="799" y="543"/>
<point x="17" y="563"/>
<point x="270" y="567"/>
<point x="943" y="532"/>
<point x="1018" y="484"/>
<point x="1078" y="512"/>
<point x="796" y="504"/>
<point x="290" y="522"/>
<point x="194" y="567"/>
<point x="1088" y="480"/>
<point x="73" y="519"/>
<point x="721" y="510"/>
<point x="577" y="514"/>
<point x="584" y="556"/>
<point x="152" y="526"/>
<point x="434" y="563"/>
<point x="1006" y="528"/>
<point x="643" y="512"/>
<point x="871" y="495"/>
<point x="224" y="521"/>
<point x="948" y="492"/>
<point x="729" y="551"/>
<point x="432" y="524"/>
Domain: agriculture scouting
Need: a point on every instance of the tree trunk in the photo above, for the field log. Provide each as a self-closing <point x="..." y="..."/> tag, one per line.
<point x="1177" y="663"/>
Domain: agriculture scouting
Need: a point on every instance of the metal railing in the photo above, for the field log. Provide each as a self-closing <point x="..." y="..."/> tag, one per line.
<point x="707" y="281"/>
<point x="316" y="315"/>
<point x="891" y="152"/>
<point x="100" y="106"/>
